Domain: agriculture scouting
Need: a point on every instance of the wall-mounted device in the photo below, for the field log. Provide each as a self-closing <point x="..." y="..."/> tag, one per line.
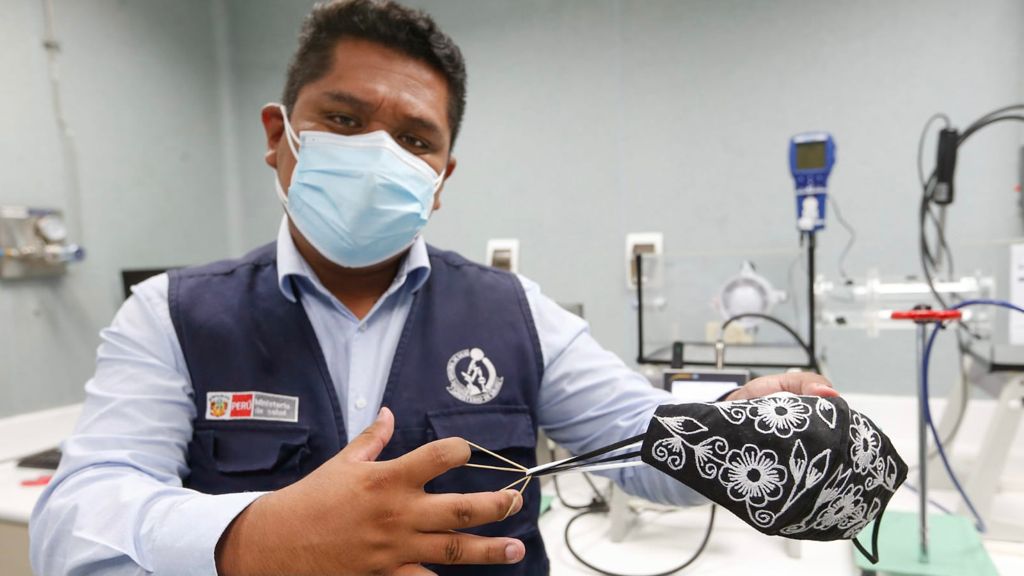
<point x="503" y="254"/>
<point x="647" y="244"/>
<point x="34" y="243"/>
<point x="811" y="157"/>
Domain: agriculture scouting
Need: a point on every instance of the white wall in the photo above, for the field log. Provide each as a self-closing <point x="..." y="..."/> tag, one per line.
<point x="138" y="85"/>
<point x="587" y="119"/>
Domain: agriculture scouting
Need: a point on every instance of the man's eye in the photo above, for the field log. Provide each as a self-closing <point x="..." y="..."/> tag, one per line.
<point x="343" y="120"/>
<point x="414" y="142"/>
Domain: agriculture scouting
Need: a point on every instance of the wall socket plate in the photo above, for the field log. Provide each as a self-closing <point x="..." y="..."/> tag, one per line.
<point x="650" y="244"/>
<point x="503" y="254"/>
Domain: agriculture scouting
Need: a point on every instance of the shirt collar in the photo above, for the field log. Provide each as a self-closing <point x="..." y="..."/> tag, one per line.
<point x="414" y="270"/>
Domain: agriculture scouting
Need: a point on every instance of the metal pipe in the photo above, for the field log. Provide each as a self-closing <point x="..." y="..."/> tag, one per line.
<point x="922" y="443"/>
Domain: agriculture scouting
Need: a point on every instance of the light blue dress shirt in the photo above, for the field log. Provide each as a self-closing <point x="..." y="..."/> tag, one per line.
<point x="117" y="506"/>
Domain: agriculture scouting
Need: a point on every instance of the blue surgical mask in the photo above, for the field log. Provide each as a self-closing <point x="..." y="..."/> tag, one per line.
<point x="358" y="200"/>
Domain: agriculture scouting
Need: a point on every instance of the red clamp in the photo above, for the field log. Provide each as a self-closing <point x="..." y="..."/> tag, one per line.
<point x="926" y="315"/>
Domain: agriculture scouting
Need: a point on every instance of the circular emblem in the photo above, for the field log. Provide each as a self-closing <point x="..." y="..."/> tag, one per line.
<point x="472" y="377"/>
<point x="218" y="404"/>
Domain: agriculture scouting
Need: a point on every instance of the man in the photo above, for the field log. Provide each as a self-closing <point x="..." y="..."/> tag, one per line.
<point x="230" y="429"/>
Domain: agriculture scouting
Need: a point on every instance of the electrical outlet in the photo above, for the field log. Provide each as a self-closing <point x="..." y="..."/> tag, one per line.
<point x="650" y="245"/>
<point x="503" y="254"/>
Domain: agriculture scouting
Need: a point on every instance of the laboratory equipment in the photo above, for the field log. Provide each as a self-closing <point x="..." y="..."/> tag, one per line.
<point x="34" y="243"/>
<point x="707" y="354"/>
<point x="747" y="292"/>
<point x="811" y="157"/>
<point x="867" y="304"/>
<point x="677" y="381"/>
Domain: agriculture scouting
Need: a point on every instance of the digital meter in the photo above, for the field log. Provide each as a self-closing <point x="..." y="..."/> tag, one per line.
<point x="811" y="156"/>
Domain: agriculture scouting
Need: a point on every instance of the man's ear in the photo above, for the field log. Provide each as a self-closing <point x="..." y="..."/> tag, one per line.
<point x="447" y="174"/>
<point x="273" y="125"/>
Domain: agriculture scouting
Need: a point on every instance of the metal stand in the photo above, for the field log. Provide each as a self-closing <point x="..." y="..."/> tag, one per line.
<point x="922" y="445"/>
<point x="916" y="543"/>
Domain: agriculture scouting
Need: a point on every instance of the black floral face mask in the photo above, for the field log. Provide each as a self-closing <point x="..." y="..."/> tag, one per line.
<point x="797" y="466"/>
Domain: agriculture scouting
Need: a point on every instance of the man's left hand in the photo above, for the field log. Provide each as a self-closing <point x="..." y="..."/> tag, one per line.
<point x="799" y="383"/>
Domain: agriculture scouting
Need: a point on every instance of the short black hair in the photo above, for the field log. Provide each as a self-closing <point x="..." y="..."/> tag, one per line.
<point x="406" y="30"/>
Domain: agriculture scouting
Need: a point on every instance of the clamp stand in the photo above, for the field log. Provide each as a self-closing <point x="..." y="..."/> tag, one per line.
<point x="919" y="543"/>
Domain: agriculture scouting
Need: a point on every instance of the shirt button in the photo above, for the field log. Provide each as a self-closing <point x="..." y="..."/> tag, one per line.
<point x="362" y="327"/>
<point x="361" y="403"/>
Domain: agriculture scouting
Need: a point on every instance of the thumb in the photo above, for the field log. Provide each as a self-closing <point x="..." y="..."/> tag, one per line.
<point x="368" y="445"/>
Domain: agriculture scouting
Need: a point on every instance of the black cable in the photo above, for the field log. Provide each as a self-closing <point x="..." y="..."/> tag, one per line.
<point x="811" y="357"/>
<point x="930" y="261"/>
<point x="684" y="565"/>
<point x="849" y="243"/>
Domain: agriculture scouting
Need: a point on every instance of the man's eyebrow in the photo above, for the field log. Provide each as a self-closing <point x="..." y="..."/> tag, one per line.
<point x="425" y="125"/>
<point x="346" y="98"/>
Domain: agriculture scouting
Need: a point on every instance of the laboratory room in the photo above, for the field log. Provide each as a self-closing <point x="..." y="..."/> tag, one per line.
<point x="511" y="287"/>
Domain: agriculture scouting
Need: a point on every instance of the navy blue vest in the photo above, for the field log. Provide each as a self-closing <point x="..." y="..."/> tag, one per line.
<point x="239" y="334"/>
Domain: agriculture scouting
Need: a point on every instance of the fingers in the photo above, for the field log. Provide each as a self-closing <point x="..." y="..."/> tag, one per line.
<point x="456" y="548"/>
<point x="807" y="384"/>
<point x="440" y="512"/>
<point x="413" y="570"/>
<point x="431" y="460"/>
<point x="799" y="383"/>
<point x="368" y="445"/>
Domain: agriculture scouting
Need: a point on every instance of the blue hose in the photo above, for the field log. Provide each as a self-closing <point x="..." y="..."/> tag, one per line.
<point x="926" y="357"/>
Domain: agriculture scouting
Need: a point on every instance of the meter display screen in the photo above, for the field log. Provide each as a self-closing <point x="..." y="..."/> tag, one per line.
<point x="810" y="156"/>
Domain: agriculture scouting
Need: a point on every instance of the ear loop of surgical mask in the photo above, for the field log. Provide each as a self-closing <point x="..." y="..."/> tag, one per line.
<point x="294" y="141"/>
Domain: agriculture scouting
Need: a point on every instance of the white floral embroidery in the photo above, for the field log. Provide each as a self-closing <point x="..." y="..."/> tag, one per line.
<point x="731" y="412"/>
<point x="864" y="445"/>
<point x="826" y="411"/>
<point x="844" y="511"/>
<point x="767" y="486"/>
<point x="753" y="475"/>
<point x="780" y="415"/>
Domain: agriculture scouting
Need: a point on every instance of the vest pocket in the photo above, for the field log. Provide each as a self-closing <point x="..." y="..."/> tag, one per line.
<point x="506" y="430"/>
<point x="248" y="457"/>
<point x="496" y="428"/>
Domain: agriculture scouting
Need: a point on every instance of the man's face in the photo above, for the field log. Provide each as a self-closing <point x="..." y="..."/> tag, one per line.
<point x="369" y="87"/>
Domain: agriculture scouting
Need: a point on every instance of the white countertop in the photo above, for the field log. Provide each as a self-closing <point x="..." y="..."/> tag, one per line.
<point x="23" y="435"/>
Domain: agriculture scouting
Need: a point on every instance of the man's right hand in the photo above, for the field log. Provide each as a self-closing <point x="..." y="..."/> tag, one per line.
<point x="353" y="515"/>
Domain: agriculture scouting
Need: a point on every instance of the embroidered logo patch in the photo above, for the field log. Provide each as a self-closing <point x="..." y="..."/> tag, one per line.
<point x="251" y="406"/>
<point x="472" y="377"/>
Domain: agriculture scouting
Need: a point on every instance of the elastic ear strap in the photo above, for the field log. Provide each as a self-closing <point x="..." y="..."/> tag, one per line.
<point x="289" y="133"/>
<point x="584" y="458"/>
<point x="570" y="466"/>
<point x="873" y="556"/>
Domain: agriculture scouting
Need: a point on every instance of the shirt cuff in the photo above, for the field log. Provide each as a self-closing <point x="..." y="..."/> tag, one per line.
<point x="184" y="537"/>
